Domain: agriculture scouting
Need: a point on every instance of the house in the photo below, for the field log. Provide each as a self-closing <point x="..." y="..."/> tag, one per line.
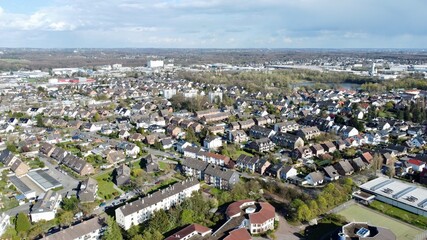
<point x="303" y="152"/>
<point x="260" y="132"/>
<point x="416" y="164"/>
<point x="221" y="178"/>
<point x="19" y="167"/>
<point x="122" y="176"/>
<point x="274" y="170"/>
<point x="150" y="163"/>
<point x="123" y="134"/>
<point x="78" y="165"/>
<point x="349" y="132"/>
<point x="367" y="157"/>
<point x="287" y="140"/>
<point x="288" y="172"/>
<point x="142" y="209"/>
<point x="46" y="208"/>
<point x="261" y="166"/>
<point x="214" y="158"/>
<point x="259" y="216"/>
<point x="212" y="142"/>
<point x="88" y="190"/>
<point x="194" y="168"/>
<point x="317" y="149"/>
<point x="237" y="136"/>
<point x="331" y="174"/>
<point x="166" y="143"/>
<point x="243" y="125"/>
<point x="238" y="234"/>
<point x="114" y="157"/>
<point x="358" y="164"/>
<point x="340" y="144"/>
<point x="344" y="168"/>
<point x="91" y="229"/>
<point x="315" y="178"/>
<point x="193" y="230"/>
<point x="329" y="147"/>
<point x="309" y="133"/>
<point x="288" y="126"/>
<point x="261" y="145"/>
<point x="191" y="151"/>
<point x="173" y="130"/>
<point x="247" y="163"/>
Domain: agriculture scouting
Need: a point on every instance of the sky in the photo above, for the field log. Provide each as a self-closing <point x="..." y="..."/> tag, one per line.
<point x="213" y="23"/>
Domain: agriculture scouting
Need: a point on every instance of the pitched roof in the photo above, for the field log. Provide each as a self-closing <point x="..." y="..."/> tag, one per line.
<point x="77" y="231"/>
<point x="188" y="231"/>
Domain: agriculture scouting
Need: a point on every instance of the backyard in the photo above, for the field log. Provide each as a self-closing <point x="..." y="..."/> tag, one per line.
<point x="106" y="188"/>
<point x="359" y="213"/>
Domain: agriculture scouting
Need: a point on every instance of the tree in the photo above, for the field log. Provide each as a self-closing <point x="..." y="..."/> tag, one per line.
<point x="66" y="218"/>
<point x="314" y="208"/>
<point x="113" y="230"/>
<point x="70" y="204"/>
<point x="186" y="216"/>
<point x="22" y="223"/>
<point x="303" y="213"/>
<point x="160" y="221"/>
<point x="322" y="203"/>
<point x="377" y="162"/>
<point x="190" y="136"/>
<point x="96" y="117"/>
<point x="11" y="147"/>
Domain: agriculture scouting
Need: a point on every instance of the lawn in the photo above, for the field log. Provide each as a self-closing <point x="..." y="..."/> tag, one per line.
<point x="413" y="219"/>
<point x="106" y="188"/>
<point x="239" y="152"/>
<point x="162" y="185"/>
<point x="363" y="214"/>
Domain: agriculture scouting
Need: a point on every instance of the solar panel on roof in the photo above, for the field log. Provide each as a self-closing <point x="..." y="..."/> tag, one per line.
<point x="423" y="203"/>
<point x="380" y="185"/>
<point x="403" y="192"/>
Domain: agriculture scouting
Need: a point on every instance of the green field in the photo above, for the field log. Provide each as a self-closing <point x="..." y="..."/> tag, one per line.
<point x="363" y="214"/>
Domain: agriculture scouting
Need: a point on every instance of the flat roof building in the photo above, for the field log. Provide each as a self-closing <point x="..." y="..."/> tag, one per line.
<point x="44" y="180"/>
<point x="403" y="195"/>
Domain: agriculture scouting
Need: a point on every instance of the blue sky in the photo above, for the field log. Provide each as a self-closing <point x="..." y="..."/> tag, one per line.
<point x="213" y="23"/>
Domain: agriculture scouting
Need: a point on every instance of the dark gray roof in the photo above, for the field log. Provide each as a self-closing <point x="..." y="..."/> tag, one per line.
<point x="245" y="159"/>
<point x="330" y="171"/>
<point x="222" y="173"/>
<point x="77" y="231"/>
<point x="156" y="197"/>
<point x="20" y="185"/>
<point x="194" y="164"/>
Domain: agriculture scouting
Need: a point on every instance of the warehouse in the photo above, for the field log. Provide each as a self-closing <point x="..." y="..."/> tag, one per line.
<point x="403" y="195"/>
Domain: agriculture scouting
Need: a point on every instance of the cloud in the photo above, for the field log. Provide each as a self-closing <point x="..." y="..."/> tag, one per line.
<point x="217" y="23"/>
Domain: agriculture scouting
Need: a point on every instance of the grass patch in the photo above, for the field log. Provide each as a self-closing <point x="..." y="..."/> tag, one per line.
<point x="411" y="218"/>
<point x="106" y="188"/>
<point x="238" y="153"/>
<point x="363" y="214"/>
<point x="163" y="165"/>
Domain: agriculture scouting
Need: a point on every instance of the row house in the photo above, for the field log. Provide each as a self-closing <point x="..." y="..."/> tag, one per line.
<point x="309" y="132"/>
<point x="139" y="211"/>
<point x="237" y="136"/>
<point x="288" y="126"/>
<point x="261" y="145"/>
<point x="247" y="163"/>
<point x="215" y="117"/>
<point x="287" y="140"/>
<point x="260" y="132"/>
<point x="221" y="178"/>
<point x="246" y="124"/>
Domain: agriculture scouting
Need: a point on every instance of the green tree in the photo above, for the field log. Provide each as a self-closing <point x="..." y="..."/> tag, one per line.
<point x="113" y="230"/>
<point x="66" y="218"/>
<point x="11" y="147"/>
<point x="70" y="204"/>
<point x="22" y="223"/>
<point x="190" y="136"/>
<point x="303" y="213"/>
<point x="160" y="221"/>
<point x="186" y="216"/>
<point x="96" y="117"/>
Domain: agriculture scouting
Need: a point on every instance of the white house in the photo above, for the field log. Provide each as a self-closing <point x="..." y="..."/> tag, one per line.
<point x="314" y="178"/>
<point x="212" y="142"/>
<point x="91" y="229"/>
<point x="416" y="165"/>
<point x="140" y="210"/>
<point x="45" y="208"/>
<point x="347" y="132"/>
<point x="288" y="172"/>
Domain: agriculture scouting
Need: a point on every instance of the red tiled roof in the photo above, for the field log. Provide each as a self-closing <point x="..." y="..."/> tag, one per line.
<point x="234" y="208"/>
<point x="239" y="234"/>
<point x="267" y="212"/>
<point x="367" y="156"/>
<point x="415" y="162"/>
<point x="201" y="230"/>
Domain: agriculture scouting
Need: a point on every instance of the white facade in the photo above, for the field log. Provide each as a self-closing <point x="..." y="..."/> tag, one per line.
<point x="262" y="227"/>
<point x="141" y="210"/>
<point x="155" y="64"/>
<point x="213" y="143"/>
<point x="169" y="93"/>
<point x="4" y="222"/>
<point x="45" y="209"/>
